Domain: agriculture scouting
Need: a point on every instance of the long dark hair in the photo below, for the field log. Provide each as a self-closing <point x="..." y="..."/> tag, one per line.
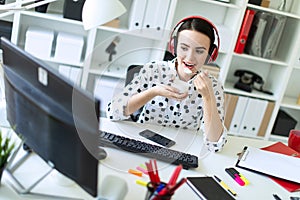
<point x="200" y="25"/>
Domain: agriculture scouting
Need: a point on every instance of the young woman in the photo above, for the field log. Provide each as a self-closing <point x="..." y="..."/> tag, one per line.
<point x="199" y="107"/>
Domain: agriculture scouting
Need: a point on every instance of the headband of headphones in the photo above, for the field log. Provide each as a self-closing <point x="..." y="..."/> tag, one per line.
<point x="214" y="53"/>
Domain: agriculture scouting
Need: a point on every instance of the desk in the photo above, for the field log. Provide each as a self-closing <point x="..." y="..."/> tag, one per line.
<point x="118" y="162"/>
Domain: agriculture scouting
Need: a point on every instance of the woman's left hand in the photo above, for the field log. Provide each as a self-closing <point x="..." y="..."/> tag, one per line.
<point x="203" y="84"/>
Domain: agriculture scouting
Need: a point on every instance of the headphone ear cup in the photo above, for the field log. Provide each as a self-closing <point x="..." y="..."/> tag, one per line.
<point x="213" y="53"/>
<point x="172" y="46"/>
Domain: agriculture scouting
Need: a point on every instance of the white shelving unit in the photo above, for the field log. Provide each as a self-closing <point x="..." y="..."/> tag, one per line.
<point x="137" y="47"/>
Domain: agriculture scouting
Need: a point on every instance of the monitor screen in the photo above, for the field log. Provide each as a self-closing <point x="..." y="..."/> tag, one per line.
<point x="56" y="119"/>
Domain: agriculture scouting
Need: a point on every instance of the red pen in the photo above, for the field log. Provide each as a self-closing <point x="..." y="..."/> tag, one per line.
<point x="174" y="176"/>
<point x="175" y="187"/>
<point x="150" y="173"/>
<point x="156" y="171"/>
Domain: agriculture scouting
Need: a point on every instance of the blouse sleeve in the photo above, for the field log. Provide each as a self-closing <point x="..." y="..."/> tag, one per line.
<point x="116" y="107"/>
<point x="219" y="95"/>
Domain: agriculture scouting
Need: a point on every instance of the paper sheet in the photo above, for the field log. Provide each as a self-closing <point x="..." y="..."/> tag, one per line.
<point x="270" y="163"/>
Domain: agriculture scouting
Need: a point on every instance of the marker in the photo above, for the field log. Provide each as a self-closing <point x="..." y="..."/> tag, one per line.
<point x="276" y="197"/>
<point x="246" y="181"/>
<point x="142" y="183"/>
<point x="294" y="198"/>
<point x="235" y="177"/>
<point x="142" y="170"/>
<point x="135" y="172"/>
<point x="224" y="185"/>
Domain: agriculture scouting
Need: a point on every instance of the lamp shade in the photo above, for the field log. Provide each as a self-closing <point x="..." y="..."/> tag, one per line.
<point x="98" y="12"/>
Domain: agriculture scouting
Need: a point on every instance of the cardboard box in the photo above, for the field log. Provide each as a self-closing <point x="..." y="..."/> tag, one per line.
<point x="265" y="3"/>
<point x="39" y="42"/>
<point x="115" y="23"/>
<point x="68" y="47"/>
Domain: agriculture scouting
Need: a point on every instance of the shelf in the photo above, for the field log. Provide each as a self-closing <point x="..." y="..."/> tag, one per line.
<point x="297" y="67"/>
<point x="278" y="138"/>
<point x="224" y="4"/>
<point x="52" y="16"/>
<point x="255" y="94"/>
<point x="111" y="71"/>
<point x="255" y="58"/>
<point x="141" y="46"/>
<point x="53" y="60"/>
<point x="245" y="135"/>
<point x="6" y="14"/>
<point x="290" y="102"/>
<point x="136" y="32"/>
<point x="291" y="15"/>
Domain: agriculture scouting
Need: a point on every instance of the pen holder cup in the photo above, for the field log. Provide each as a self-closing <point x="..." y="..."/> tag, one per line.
<point x="152" y="194"/>
<point x="294" y="140"/>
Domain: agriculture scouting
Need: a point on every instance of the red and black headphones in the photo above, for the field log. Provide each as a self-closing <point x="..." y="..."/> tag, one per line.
<point x="214" y="50"/>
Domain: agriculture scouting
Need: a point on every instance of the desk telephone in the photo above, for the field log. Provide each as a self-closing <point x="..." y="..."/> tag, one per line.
<point x="248" y="80"/>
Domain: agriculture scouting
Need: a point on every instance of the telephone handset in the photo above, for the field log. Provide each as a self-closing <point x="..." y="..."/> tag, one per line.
<point x="247" y="81"/>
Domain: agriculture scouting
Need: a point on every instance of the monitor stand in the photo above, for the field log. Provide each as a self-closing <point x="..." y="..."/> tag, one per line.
<point x="14" y="163"/>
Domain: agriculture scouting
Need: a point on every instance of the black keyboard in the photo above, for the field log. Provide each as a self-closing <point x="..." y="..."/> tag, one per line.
<point x="149" y="150"/>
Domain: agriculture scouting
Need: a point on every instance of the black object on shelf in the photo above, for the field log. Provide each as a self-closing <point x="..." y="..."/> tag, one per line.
<point x="255" y="2"/>
<point x="5" y="29"/>
<point x="283" y="124"/>
<point x="73" y="9"/>
<point x="42" y="8"/>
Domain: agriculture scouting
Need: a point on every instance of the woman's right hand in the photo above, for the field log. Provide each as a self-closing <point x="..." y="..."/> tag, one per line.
<point x="169" y="92"/>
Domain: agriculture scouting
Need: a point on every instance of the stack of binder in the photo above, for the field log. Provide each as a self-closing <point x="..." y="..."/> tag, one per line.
<point x="247" y="116"/>
<point x="149" y="16"/>
<point x="265" y="34"/>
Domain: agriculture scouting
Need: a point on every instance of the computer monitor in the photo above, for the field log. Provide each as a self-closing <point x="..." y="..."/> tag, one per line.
<point x="56" y="119"/>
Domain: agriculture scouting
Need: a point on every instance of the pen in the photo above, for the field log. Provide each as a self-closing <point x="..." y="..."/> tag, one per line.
<point x="175" y="187"/>
<point x="156" y="171"/>
<point x="224" y="185"/>
<point x="235" y="177"/>
<point x="276" y="197"/>
<point x="150" y="173"/>
<point x="175" y="175"/>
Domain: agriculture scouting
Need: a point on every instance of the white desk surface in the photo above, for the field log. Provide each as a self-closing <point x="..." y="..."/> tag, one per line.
<point x="118" y="162"/>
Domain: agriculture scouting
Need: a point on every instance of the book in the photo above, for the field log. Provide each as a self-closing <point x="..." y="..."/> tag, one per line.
<point x="279" y="147"/>
<point x="207" y="187"/>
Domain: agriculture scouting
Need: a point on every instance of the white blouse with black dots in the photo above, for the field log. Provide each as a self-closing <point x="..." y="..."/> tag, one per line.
<point x="185" y="114"/>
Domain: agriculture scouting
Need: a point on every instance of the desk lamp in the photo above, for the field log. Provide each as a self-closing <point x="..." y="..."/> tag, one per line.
<point x="98" y="12"/>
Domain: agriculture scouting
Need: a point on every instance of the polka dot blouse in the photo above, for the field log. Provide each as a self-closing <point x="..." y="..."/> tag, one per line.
<point x="185" y="114"/>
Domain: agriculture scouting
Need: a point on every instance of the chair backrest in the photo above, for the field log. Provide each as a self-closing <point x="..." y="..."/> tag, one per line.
<point x="132" y="71"/>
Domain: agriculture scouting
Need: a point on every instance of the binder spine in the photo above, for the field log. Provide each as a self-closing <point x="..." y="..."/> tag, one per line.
<point x="244" y="31"/>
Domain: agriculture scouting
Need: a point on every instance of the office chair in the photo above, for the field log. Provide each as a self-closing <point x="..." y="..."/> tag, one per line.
<point x="132" y="71"/>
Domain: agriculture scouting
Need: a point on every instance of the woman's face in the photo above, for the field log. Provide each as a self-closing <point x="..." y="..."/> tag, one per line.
<point x="192" y="51"/>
